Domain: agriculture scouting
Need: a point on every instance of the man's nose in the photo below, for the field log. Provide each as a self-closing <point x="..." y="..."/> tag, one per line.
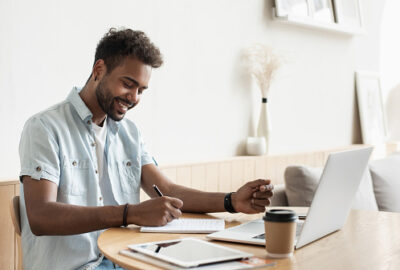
<point x="133" y="95"/>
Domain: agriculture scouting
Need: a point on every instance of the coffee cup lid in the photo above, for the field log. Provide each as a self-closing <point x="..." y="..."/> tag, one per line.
<point x="280" y="215"/>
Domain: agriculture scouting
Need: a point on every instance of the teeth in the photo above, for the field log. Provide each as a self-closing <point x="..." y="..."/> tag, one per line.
<point x="122" y="105"/>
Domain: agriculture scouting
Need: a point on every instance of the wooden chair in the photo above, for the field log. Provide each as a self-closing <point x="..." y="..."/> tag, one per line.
<point x="15" y="217"/>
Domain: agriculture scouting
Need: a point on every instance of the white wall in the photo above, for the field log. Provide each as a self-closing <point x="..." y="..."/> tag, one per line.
<point x="199" y="105"/>
<point x="389" y="46"/>
<point x="390" y="65"/>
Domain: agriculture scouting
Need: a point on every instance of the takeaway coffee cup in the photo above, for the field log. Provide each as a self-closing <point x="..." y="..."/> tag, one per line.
<point x="280" y="232"/>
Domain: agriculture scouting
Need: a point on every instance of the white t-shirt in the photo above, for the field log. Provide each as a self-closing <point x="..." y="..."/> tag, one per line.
<point x="100" y="134"/>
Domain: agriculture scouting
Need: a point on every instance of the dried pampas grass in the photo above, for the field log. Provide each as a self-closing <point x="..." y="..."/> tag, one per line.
<point x="262" y="63"/>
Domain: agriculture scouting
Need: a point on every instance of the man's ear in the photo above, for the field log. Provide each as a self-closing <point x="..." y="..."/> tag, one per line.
<point x="99" y="70"/>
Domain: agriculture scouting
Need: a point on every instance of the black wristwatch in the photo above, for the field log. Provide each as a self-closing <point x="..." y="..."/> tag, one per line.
<point x="228" y="203"/>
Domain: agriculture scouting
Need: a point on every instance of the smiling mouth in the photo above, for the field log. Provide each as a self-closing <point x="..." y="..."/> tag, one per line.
<point x="122" y="106"/>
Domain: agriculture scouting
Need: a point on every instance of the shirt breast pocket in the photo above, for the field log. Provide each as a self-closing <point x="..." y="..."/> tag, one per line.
<point x="129" y="175"/>
<point x="76" y="176"/>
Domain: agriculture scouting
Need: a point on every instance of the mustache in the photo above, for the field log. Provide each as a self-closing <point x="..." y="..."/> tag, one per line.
<point x="130" y="104"/>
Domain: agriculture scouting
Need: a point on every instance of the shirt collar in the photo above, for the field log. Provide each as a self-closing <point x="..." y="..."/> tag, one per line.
<point x="80" y="106"/>
<point x="83" y="111"/>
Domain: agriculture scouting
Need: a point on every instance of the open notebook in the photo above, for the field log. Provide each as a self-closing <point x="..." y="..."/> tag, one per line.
<point x="189" y="225"/>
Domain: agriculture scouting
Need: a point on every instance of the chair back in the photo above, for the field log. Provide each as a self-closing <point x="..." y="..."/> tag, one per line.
<point x="14" y="210"/>
<point x="15" y="217"/>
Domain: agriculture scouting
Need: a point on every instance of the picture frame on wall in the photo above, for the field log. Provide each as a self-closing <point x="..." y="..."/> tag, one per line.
<point x="322" y="10"/>
<point x="370" y="105"/>
<point x="298" y="8"/>
<point x="348" y="13"/>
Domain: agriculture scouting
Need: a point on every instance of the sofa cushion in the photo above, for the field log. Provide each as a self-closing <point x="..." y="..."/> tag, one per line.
<point x="386" y="180"/>
<point x="301" y="182"/>
<point x="279" y="198"/>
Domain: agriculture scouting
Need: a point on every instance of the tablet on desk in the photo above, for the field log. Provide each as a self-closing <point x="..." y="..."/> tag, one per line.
<point x="189" y="252"/>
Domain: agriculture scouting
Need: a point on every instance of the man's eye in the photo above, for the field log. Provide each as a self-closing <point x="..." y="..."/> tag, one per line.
<point x="127" y="85"/>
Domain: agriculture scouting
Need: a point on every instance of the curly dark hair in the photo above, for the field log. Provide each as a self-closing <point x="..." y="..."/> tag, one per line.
<point x="117" y="44"/>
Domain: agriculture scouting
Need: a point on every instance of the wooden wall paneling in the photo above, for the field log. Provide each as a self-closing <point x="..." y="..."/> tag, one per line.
<point x="199" y="177"/>
<point x="308" y="159"/>
<point x="325" y="156"/>
<point x="259" y="171"/>
<point x="7" y="235"/>
<point x="212" y="177"/>
<point x="143" y="196"/>
<point x="225" y="176"/>
<point x="281" y="164"/>
<point x="237" y="174"/>
<point x="184" y="176"/>
<point x="170" y="172"/>
<point x="264" y="160"/>
<point x="295" y="160"/>
<point x="301" y="159"/>
<point x="319" y="159"/>
<point x="249" y="170"/>
<point x="270" y="169"/>
<point x="17" y="249"/>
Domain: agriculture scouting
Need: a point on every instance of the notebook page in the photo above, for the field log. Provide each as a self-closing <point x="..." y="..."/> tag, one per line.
<point x="189" y="225"/>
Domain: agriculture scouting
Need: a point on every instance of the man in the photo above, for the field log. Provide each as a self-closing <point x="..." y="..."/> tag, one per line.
<point x="82" y="165"/>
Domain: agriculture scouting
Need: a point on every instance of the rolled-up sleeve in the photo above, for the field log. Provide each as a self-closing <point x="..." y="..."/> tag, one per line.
<point x="145" y="157"/>
<point x="39" y="152"/>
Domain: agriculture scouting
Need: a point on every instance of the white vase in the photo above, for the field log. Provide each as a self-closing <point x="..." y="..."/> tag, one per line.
<point x="264" y="125"/>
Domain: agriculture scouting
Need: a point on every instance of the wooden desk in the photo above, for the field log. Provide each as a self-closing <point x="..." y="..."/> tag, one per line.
<point x="369" y="240"/>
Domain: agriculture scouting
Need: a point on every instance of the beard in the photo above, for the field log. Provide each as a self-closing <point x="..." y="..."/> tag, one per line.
<point x="107" y="101"/>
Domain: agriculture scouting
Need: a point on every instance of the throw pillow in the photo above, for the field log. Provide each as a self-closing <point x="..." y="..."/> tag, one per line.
<point x="301" y="182"/>
<point x="386" y="179"/>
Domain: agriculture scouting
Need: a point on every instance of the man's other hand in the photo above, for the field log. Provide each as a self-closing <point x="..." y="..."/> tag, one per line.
<point x="253" y="197"/>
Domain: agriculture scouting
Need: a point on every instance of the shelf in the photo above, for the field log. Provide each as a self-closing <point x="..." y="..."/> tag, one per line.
<point x="312" y="23"/>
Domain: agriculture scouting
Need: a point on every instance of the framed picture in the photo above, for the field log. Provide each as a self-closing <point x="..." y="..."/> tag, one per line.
<point x="298" y="8"/>
<point x="348" y="12"/>
<point x="322" y="10"/>
<point x="370" y="105"/>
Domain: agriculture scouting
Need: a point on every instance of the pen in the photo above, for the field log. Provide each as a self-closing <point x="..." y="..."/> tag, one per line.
<point x="157" y="190"/>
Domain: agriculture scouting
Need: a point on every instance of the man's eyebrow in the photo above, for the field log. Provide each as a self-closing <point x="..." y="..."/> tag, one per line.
<point x="133" y="81"/>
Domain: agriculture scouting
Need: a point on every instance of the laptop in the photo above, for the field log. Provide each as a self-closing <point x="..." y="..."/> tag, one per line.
<point x="329" y="208"/>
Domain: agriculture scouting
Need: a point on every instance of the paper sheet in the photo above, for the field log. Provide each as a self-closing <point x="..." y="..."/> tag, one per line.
<point x="189" y="225"/>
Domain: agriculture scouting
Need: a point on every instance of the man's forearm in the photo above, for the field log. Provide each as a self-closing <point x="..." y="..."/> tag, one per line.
<point x="198" y="201"/>
<point x="53" y="218"/>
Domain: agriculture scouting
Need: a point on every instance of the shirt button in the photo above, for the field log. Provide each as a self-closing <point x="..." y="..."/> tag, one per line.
<point x="100" y="198"/>
<point x="38" y="169"/>
<point x="128" y="163"/>
<point x="93" y="144"/>
<point x="89" y="122"/>
<point x="96" y="171"/>
<point x="74" y="163"/>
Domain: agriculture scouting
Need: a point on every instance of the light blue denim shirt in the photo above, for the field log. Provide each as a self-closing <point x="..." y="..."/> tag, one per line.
<point x="58" y="144"/>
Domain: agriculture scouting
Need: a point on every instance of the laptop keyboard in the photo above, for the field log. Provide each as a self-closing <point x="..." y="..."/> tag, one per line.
<point x="299" y="225"/>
